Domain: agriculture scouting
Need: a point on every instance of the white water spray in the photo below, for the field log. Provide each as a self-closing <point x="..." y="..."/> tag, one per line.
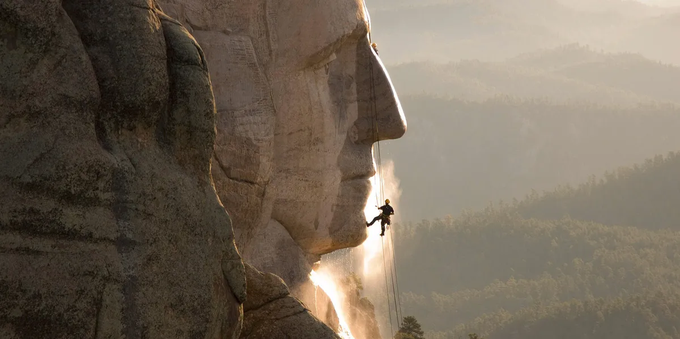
<point x="326" y="281"/>
<point x="371" y="251"/>
<point x="366" y="260"/>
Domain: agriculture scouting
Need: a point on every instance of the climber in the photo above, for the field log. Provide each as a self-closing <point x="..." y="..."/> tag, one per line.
<point x="384" y="216"/>
<point x="375" y="48"/>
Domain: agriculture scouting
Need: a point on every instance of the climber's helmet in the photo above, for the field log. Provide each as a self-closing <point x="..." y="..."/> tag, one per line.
<point x="387" y="201"/>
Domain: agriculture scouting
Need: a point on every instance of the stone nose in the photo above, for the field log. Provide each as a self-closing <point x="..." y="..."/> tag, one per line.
<point x="380" y="114"/>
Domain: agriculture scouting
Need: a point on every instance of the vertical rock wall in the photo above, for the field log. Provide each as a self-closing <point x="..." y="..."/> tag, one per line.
<point x="109" y="223"/>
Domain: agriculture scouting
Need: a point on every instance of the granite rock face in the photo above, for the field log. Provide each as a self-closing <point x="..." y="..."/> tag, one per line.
<point x="109" y="223"/>
<point x="301" y="97"/>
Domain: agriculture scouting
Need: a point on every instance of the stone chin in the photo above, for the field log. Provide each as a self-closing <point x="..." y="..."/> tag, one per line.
<point x="348" y="226"/>
<point x="338" y="223"/>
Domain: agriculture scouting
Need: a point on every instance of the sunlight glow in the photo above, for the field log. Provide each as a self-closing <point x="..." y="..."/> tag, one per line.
<point x="372" y="246"/>
<point x="325" y="281"/>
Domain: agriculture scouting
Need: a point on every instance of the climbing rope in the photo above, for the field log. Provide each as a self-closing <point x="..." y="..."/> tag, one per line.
<point x="394" y="290"/>
<point x="380" y="193"/>
<point x="390" y="242"/>
<point x="389" y="308"/>
<point x="400" y="314"/>
<point x="379" y="198"/>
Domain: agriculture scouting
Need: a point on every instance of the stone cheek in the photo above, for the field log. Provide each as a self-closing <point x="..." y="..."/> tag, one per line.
<point x="242" y="158"/>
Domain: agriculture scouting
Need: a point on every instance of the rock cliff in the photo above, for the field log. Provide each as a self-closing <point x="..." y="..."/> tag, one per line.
<point x="109" y="224"/>
<point x="300" y="97"/>
<point x="111" y="218"/>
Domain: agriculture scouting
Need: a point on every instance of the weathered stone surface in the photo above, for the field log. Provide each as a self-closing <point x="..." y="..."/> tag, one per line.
<point x="272" y="313"/>
<point x="299" y="91"/>
<point x="109" y="224"/>
<point x="274" y="241"/>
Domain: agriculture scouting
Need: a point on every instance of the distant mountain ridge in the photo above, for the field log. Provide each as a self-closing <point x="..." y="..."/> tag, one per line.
<point x="569" y="73"/>
<point x="442" y="31"/>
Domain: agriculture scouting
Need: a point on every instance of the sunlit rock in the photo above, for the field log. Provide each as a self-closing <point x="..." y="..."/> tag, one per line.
<point x="298" y="91"/>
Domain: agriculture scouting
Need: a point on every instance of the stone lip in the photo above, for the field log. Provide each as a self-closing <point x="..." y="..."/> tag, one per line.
<point x="109" y="222"/>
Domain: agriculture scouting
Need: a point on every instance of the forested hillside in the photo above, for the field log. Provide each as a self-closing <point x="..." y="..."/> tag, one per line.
<point x="645" y="196"/>
<point x="537" y="103"/>
<point x="644" y="316"/>
<point x="503" y="273"/>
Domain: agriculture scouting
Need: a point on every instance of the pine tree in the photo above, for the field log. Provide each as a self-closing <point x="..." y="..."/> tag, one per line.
<point x="410" y="327"/>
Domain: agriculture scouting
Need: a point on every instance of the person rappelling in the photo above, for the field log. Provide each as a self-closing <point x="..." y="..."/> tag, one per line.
<point x="384" y="216"/>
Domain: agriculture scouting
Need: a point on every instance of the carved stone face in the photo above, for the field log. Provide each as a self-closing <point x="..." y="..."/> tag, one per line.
<point x="298" y="91"/>
<point x="321" y="87"/>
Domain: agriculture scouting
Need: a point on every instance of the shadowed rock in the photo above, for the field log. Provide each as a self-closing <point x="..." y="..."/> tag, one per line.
<point x="109" y="223"/>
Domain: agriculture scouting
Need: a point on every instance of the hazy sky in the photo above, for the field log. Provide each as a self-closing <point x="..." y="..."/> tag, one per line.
<point x="661" y="2"/>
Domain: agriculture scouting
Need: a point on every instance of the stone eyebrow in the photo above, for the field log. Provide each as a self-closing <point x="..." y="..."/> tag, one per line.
<point x="320" y="56"/>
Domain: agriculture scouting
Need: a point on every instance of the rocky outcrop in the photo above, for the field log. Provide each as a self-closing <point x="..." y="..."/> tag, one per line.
<point x="272" y="313"/>
<point x="109" y="224"/>
<point x="360" y="310"/>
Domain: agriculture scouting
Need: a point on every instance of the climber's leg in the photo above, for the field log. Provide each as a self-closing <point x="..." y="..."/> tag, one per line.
<point x="374" y="220"/>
